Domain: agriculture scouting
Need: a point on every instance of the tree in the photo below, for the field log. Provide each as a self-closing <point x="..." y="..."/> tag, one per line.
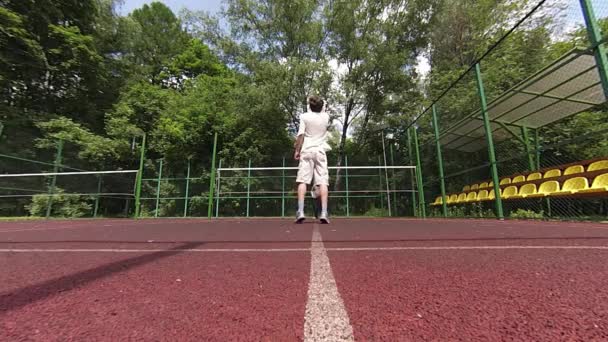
<point x="161" y="37"/>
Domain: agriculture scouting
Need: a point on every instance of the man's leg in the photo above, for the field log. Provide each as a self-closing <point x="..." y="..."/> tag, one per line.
<point x="324" y="195"/>
<point x="300" y="217"/>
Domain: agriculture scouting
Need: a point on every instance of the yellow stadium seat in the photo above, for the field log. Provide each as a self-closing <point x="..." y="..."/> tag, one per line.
<point x="462" y="198"/>
<point x="505" y="181"/>
<point x="534" y="176"/>
<point x="482" y="195"/>
<point x="552" y="173"/>
<point x="598" y="165"/>
<point x="572" y="186"/>
<point x="466" y="188"/>
<point x="509" y="192"/>
<point x="472" y="197"/>
<point x="546" y="189"/>
<point x="519" y="179"/>
<point x="491" y="185"/>
<point x="492" y="195"/>
<point x="453" y="199"/>
<point x="438" y="201"/>
<point x="483" y="185"/>
<point x="574" y="169"/>
<point x="525" y="191"/>
<point x="600" y="184"/>
<point x="474" y="187"/>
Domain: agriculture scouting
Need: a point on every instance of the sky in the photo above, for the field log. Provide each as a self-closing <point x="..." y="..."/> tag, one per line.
<point x="212" y="6"/>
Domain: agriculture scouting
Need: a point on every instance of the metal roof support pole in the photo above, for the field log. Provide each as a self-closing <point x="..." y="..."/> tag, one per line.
<point x="421" y="202"/>
<point x="595" y="37"/>
<point x="444" y="204"/>
<point x="490" y="141"/>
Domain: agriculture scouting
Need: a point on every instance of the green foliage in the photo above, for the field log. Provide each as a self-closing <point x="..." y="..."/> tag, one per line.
<point x="376" y="212"/>
<point x="523" y="214"/>
<point x="63" y="205"/>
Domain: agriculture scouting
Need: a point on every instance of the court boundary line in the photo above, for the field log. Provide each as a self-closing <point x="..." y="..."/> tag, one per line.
<point x="279" y="250"/>
<point x="325" y="318"/>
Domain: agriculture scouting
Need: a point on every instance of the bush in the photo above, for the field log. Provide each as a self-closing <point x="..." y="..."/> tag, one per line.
<point x="523" y="214"/>
<point x="376" y="212"/>
<point x="64" y="205"/>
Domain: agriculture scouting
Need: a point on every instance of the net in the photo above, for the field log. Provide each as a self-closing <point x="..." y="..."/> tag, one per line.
<point x="354" y="191"/>
<point x="67" y="194"/>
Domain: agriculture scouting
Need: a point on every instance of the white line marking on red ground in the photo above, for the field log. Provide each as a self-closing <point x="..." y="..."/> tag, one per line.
<point x="118" y="250"/>
<point x="432" y="248"/>
<point x="326" y="318"/>
<point x="273" y="250"/>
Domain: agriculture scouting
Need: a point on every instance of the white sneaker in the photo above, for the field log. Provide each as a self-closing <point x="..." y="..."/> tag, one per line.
<point x="300" y="217"/>
<point x="323" y="218"/>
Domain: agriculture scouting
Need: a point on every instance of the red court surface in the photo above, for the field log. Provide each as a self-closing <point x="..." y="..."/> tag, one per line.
<point x="271" y="280"/>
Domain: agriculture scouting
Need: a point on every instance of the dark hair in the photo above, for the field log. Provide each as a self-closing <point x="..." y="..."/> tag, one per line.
<point x="316" y="103"/>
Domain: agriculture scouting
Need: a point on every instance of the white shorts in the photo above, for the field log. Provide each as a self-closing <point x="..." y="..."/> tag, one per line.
<point x="313" y="165"/>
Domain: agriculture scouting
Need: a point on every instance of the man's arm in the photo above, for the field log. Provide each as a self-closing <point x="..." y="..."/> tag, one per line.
<point x="298" y="146"/>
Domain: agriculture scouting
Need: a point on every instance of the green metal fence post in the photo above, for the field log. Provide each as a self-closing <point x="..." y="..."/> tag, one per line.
<point x="537" y="146"/>
<point x="187" y="189"/>
<point x="160" y="177"/>
<point x="248" y="184"/>
<point x="595" y="37"/>
<point x="139" y="177"/>
<point x="421" y="202"/>
<point x="58" y="157"/>
<point x="444" y="205"/>
<point x="380" y="184"/>
<point x="218" y="190"/>
<point x="526" y="137"/>
<point x="490" y="142"/>
<point x="393" y="180"/>
<point x="97" y="196"/>
<point x="212" y="180"/>
<point x="283" y="191"/>
<point x="412" y="179"/>
<point x="346" y="184"/>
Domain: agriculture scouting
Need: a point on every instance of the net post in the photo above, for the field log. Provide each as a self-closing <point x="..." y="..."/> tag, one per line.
<point x="595" y="38"/>
<point x="526" y="138"/>
<point x="212" y="180"/>
<point x="346" y="183"/>
<point x="187" y="189"/>
<point x="248" y="184"/>
<point x="393" y="179"/>
<point x="97" y="197"/>
<point x="380" y="183"/>
<point x="160" y="175"/>
<point x="421" y="202"/>
<point x="490" y="142"/>
<point x="219" y="189"/>
<point x="58" y="157"/>
<point x="411" y="155"/>
<point x="388" y="193"/>
<point x="139" y="177"/>
<point x="444" y="205"/>
<point x="283" y="190"/>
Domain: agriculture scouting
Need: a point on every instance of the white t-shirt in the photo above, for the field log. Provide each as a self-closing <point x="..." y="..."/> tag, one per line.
<point x="314" y="127"/>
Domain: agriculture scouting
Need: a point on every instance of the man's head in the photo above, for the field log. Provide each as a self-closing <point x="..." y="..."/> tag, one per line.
<point x="316" y="103"/>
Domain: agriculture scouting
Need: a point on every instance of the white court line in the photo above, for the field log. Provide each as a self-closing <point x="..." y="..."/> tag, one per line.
<point x="433" y="248"/>
<point x="273" y="250"/>
<point x="326" y="318"/>
<point x="40" y="229"/>
<point x="118" y="250"/>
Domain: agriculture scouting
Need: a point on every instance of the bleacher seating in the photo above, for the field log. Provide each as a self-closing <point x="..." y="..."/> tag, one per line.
<point x="570" y="180"/>
<point x="600" y="184"/>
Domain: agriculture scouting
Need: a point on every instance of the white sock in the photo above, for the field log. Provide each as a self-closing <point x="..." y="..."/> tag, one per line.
<point x="301" y="206"/>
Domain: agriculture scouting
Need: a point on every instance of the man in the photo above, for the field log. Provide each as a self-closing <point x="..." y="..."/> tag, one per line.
<point x="311" y="145"/>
